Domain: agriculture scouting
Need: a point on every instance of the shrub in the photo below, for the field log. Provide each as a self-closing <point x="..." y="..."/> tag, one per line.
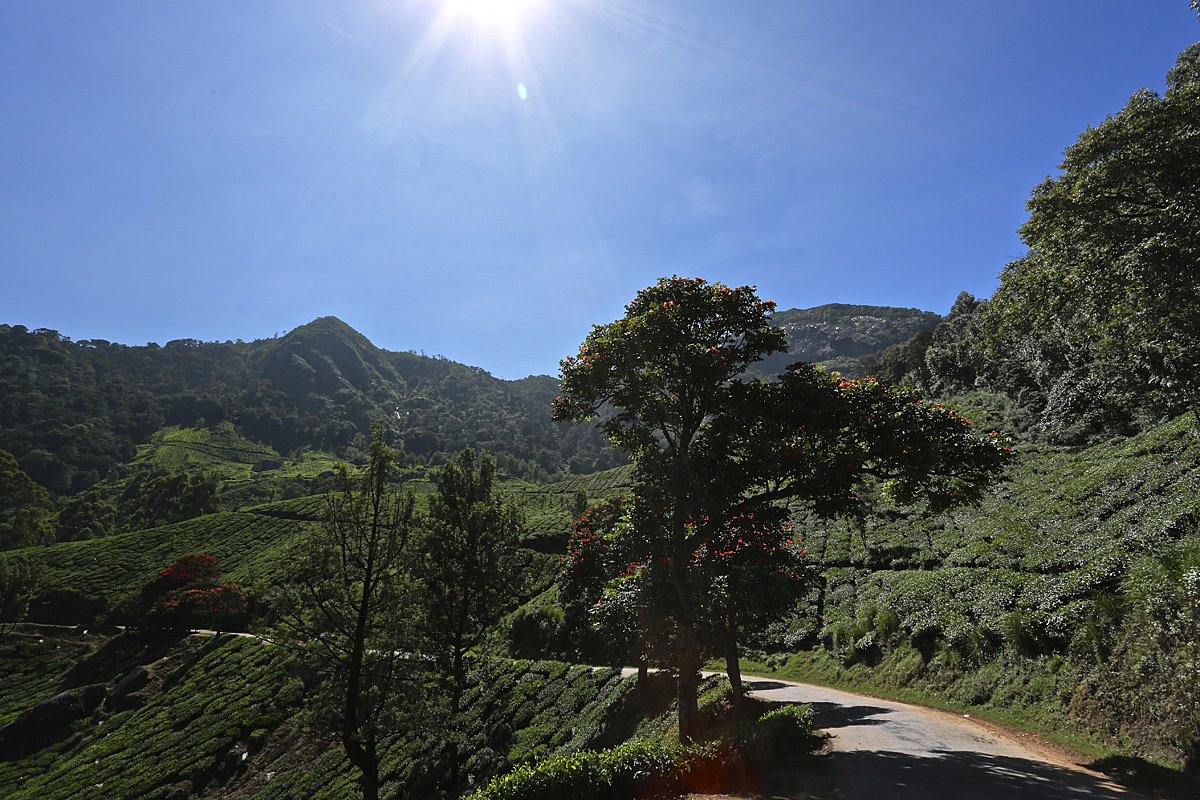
<point x="777" y="733"/>
<point x="655" y="768"/>
<point x="641" y="768"/>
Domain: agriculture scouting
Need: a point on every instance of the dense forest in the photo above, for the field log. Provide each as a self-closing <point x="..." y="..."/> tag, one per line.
<point x="1048" y="573"/>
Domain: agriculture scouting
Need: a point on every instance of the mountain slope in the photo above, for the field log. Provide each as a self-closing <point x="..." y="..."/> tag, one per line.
<point x="74" y="413"/>
<point x="836" y="334"/>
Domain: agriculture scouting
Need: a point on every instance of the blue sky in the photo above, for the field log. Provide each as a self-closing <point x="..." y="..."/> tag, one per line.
<point x="488" y="184"/>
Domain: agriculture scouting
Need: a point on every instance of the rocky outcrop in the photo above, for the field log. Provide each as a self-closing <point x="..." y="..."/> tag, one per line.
<point x="837" y="334"/>
<point x="124" y="693"/>
<point x="48" y="722"/>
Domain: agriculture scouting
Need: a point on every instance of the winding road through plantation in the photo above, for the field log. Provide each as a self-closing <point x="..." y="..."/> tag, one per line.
<point x="884" y="750"/>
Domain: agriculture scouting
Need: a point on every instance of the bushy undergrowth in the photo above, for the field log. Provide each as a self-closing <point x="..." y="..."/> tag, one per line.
<point x="656" y="767"/>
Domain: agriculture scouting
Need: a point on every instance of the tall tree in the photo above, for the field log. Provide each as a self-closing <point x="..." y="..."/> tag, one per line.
<point x="1108" y="294"/>
<point x="468" y="572"/>
<point x="353" y="613"/>
<point x="715" y="454"/>
<point x="468" y="569"/>
<point x="666" y="367"/>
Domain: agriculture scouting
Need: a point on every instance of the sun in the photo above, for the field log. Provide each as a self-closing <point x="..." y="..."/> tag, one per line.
<point x="494" y="12"/>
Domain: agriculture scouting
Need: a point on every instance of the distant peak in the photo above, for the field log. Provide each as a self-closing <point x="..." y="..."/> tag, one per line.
<point x="330" y="327"/>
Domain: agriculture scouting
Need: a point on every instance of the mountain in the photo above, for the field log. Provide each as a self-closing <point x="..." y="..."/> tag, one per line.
<point x="78" y="414"/>
<point x="837" y="335"/>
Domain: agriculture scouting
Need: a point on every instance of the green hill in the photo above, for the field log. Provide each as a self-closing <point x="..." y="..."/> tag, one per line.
<point x="1067" y="597"/>
<point x="220" y="716"/>
<point x="78" y="415"/>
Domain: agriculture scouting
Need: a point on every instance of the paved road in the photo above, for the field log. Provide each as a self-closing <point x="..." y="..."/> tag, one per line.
<point x="884" y="750"/>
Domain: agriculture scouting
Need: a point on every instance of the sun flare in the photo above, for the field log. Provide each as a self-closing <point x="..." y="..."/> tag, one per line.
<point x="494" y="12"/>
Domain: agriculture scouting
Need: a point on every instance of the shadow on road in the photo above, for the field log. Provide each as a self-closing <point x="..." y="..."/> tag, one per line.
<point x="835" y="715"/>
<point x="958" y="774"/>
<point x="763" y="685"/>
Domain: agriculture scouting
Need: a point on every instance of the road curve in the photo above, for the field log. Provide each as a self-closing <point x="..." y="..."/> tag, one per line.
<point x="883" y="750"/>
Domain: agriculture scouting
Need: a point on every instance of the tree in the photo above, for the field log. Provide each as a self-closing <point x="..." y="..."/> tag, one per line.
<point x="87" y="516"/>
<point x="598" y="554"/>
<point x="715" y="454"/>
<point x="468" y="570"/>
<point x="188" y="594"/>
<point x="1108" y="294"/>
<point x="666" y="367"/>
<point x="24" y="506"/>
<point x="353" y="613"/>
<point x="154" y="498"/>
<point x="18" y="583"/>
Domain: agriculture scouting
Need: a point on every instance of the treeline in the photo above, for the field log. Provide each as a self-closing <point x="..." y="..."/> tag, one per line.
<point x="1096" y="330"/>
<point x="73" y="413"/>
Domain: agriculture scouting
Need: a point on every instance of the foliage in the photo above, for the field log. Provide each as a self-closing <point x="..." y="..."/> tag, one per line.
<point x="354" y="616"/>
<point x="72" y="413"/>
<point x="605" y="775"/>
<point x="224" y="716"/>
<point x="154" y="498"/>
<point x="1103" y="309"/>
<point x="1027" y="601"/>
<point x="212" y="702"/>
<point x="665" y="368"/>
<point x="18" y="583"/>
<point x="715" y="455"/>
<point x="24" y="506"/>
<point x="596" y="554"/>
<point x="468" y="572"/>
<point x="653" y="767"/>
<point x="85" y="516"/>
<point x="187" y="594"/>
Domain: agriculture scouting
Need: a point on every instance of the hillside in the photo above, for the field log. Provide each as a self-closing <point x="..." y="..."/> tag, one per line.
<point x="1067" y="597"/>
<point x="268" y="419"/>
<point x="837" y="335"/>
<point x="81" y="581"/>
<point x="74" y="414"/>
<point x="221" y="716"/>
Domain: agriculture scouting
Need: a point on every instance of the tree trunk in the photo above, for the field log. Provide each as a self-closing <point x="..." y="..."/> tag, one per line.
<point x="687" y="686"/>
<point x="366" y="759"/>
<point x="822" y="585"/>
<point x="370" y="779"/>
<point x="733" y="668"/>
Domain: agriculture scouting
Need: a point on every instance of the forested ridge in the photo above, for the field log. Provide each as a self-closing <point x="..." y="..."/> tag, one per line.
<point x="83" y="418"/>
<point x="74" y="411"/>
<point x="1017" y="531"/>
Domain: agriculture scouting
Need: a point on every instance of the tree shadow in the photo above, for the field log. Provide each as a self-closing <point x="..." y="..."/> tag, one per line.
<point x="1149" y="778"/>
<point x="955" y="774"/>
<point x="836" y="715"/>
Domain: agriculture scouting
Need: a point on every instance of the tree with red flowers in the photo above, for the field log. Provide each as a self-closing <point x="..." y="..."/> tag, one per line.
<point x="666" y="368"/>
<point x="716" y="454"/>
<point x="188" y="594"/>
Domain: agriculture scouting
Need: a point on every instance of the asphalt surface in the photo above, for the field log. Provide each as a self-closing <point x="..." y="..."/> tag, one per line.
<point x="883" y="750"/>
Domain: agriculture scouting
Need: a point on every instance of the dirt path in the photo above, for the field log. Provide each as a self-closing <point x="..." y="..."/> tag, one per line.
<point x="884" y="750"/>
